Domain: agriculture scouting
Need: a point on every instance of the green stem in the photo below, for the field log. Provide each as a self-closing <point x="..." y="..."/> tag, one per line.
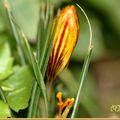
<point x="82" y="78"/>
<point x="36" y="103"/>
<point x="41" y="54"/>
<point x="37" y="72"/>
<point x="85" y="66"/>
<point x="30" y="111"/>
<point x="14" y="30"/>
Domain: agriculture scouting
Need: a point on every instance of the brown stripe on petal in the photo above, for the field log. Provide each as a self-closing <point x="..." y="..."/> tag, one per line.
<point x="61" y="40"/>
<point x="63" y="53"/>
<point x="58" y="54"/>
<point x="55" y="44"/>
<point x="64" y="41"/>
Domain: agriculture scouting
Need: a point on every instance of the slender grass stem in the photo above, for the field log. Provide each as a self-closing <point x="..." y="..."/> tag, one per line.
<point x="37" y="72"/>
<point x="21" y="55"/>
<point x="85" y="66"/>
<point x="30" y="111"/>
<point x="82" y="78"/>
<point x="36" y="103"/>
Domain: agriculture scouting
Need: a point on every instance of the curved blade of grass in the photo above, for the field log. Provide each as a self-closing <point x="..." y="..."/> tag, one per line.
<point x="85" y="66"/>
<point x="17" y="38"/>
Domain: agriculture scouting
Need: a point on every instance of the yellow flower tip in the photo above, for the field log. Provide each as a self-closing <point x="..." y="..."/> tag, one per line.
<point x="64" y="41"/>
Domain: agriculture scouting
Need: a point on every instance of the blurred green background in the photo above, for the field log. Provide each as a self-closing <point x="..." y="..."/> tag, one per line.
<point x="101" y="89"/>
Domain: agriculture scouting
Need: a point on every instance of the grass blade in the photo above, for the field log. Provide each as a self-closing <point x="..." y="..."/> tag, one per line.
<point x="49" y="15"/>
<point x="14" y="30"/>
<point x="85" y="66"/>
<point x="30" y="110"/>
<point x="82" y="78"/>
<point x="49" y="47"/>
<point x="41" y="33"/>
<point x="37" y="71"/>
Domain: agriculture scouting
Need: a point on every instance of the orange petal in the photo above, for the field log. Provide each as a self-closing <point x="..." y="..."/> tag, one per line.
<point x="64" y="41"/>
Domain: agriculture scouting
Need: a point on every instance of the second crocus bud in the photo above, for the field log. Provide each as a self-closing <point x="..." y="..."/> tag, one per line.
<point x="64" y="42"/>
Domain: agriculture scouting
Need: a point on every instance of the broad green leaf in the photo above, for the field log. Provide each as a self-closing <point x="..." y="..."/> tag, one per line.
<point x="20" y="85"/>
<point x="4" y="110"/>
<point x="6" y="61"/>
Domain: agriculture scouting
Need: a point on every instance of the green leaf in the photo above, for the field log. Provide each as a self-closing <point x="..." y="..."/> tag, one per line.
<point x="20" y="85"/>
<point x="6" y="61"/>
<point x="36" y="70"/>
<point x="4" y="110"/>
<point x="82" y="78"/>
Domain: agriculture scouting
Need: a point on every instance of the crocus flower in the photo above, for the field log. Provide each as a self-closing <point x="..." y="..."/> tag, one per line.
<point x="64" y="41"/>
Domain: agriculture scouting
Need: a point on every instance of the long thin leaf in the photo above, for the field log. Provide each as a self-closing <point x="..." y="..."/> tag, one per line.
<point x="49" y="48"/>
<point x="82" y="78"/>
<point x="30" y="110"/>
<point x="85" y="66"/>
<point x="41" y="34"/>
<point x="17" y="38"/>
<point x="37" y="71"/>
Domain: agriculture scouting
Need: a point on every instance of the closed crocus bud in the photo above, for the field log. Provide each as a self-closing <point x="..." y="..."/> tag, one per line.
<point x="64" y="42"/>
